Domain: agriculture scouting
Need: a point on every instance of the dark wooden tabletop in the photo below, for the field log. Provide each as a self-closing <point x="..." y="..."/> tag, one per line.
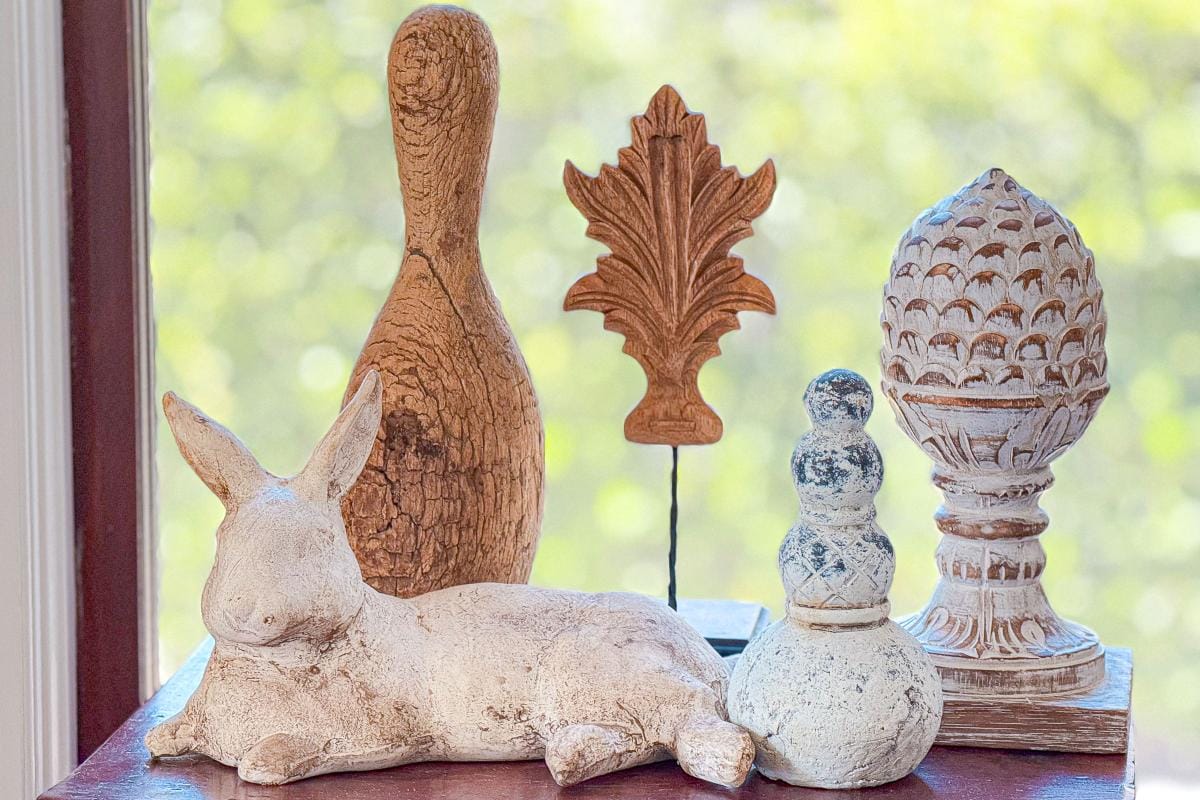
<point x="119" y="770"/>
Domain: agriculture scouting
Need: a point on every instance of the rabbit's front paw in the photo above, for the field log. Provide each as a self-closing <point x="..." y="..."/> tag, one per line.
<point x="711" y="749"/>
<point x="279" y="758"/>
<point x="174" y="737"/>
<point x="579" y="752"/>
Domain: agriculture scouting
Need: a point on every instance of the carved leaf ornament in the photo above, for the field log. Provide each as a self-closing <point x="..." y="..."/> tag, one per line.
<point x="669" y="212"/>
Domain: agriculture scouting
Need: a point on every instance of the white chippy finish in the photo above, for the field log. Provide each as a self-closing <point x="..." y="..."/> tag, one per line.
<point x="836" y="695"/>
<point x="314" y="671"/>
<point x="993" y="291"/>
<point x="994" y="363"/>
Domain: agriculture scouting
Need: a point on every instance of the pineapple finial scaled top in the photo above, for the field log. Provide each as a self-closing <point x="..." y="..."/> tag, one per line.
<point x="993" y="291"/>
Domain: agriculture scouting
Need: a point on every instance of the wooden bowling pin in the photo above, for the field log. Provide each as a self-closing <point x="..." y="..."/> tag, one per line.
<point x="452" y="492"/>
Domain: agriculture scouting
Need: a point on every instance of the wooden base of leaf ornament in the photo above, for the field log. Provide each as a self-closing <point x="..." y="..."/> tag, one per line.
<point x="1092" y="721"/>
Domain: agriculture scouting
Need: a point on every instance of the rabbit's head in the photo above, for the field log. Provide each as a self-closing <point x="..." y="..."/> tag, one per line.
<point x="284" y="569"/>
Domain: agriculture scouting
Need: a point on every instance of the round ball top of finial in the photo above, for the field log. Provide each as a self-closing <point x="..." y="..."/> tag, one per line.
<point x="836" y="468"/>
<point x="839" y="397"/>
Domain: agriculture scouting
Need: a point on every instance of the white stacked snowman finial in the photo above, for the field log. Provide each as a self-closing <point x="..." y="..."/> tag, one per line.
<point x="836" y="695"/>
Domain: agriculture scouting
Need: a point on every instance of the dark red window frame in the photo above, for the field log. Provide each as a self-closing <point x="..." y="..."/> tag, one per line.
<point x="105" y="79"/>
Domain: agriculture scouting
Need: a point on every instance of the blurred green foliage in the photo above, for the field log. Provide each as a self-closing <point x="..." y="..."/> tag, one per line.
<point x="278" y="225"/>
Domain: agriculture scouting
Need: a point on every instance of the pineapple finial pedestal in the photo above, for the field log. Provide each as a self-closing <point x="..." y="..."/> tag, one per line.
<point x="994" y="363"/>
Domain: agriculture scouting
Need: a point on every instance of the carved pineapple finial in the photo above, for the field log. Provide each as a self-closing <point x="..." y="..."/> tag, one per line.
<point x="993" y="360"/>
<point x="993" y="290"/>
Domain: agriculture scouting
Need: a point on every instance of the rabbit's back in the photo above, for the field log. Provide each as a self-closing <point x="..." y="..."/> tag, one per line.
<point x="499" y="623"/>
<point x="508" y="665"/>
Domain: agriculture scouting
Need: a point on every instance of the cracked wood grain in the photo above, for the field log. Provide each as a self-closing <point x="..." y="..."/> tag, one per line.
<point x="452" y="492"/>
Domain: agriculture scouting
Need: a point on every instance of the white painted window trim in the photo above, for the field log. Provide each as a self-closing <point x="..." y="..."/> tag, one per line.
<point x="37" y="565"/>
<point x="148" y="574"/>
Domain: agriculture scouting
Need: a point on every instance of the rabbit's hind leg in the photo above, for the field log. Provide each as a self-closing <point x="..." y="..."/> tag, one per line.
<point x="711" y="749"/>
<point x="578" y="752"/>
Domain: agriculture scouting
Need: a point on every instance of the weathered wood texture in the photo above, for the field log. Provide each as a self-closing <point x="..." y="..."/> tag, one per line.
<point x="670" y="213"/>
<point x="316" y="672"/>
<point x="1092" y="721"/>
<point x="452" y="492"/>
<point x="119" y="770"/>
<point x="994" y="363"/>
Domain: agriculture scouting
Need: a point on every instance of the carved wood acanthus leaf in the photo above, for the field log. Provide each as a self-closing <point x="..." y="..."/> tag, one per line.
<point x="669" y="213"/>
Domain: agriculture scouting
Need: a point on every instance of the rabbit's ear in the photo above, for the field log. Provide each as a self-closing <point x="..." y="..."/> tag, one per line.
<point x="216" y="455"/>
<point x="341" y="455"/>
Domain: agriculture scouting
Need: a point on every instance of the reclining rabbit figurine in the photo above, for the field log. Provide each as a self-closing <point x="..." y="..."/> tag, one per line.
<point x="314" y="671"/>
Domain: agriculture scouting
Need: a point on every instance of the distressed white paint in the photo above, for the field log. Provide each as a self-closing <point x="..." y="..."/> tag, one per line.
<point x="994" y="363"/>
<point x="314" y="671"/>
<point x="37" y="675"/>
<point x="836" y="695"/>
<point x="837" y="709"/>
